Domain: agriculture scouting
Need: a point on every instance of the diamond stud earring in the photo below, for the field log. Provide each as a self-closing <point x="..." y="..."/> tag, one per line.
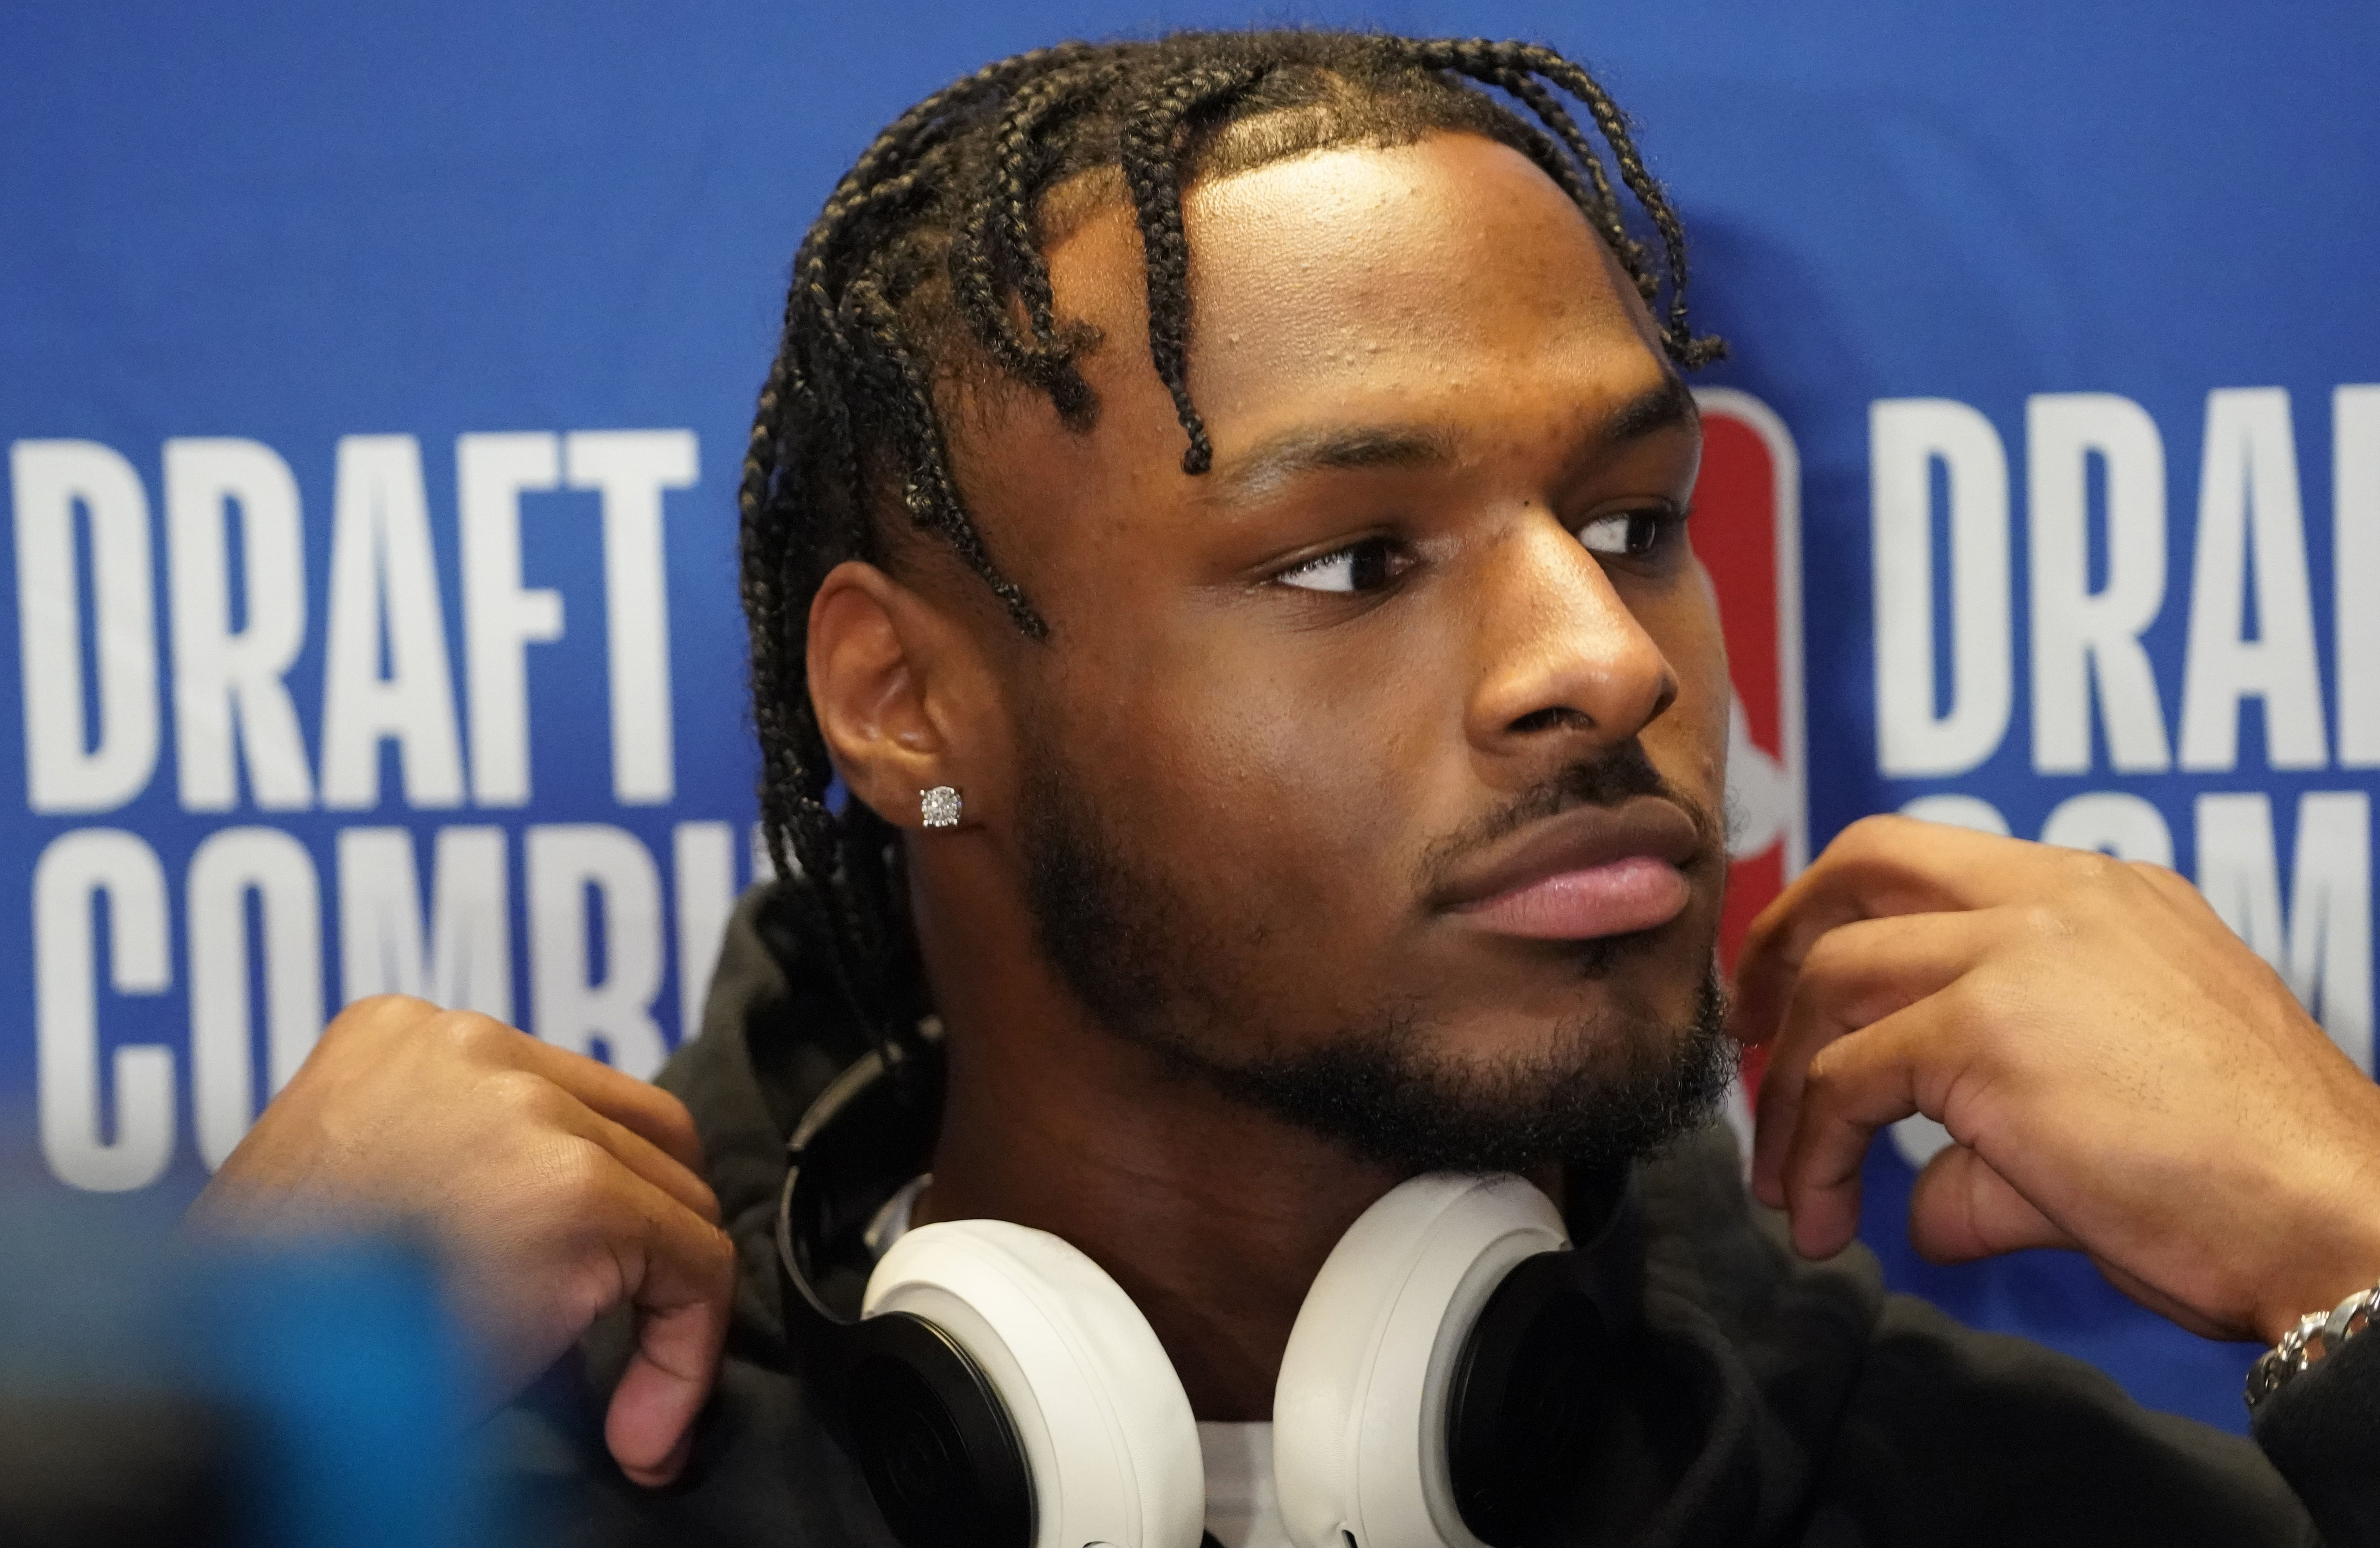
<point x="939" y="807"/>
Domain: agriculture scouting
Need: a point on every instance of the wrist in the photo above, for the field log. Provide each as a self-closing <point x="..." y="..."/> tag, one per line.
<point x="2337" y="1241"/>
<point x="2311" y="1341"/>
<point x="2314" y="1296"/>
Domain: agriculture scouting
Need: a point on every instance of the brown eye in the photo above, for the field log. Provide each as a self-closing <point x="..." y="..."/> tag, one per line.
<point x="1365" y="566"/>
<point x="1623" y="534"/>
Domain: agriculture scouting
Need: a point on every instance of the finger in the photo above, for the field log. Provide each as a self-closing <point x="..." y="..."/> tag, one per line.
<point x="650" y="1426"/>
<point x="377" y="1013"/>
<point x="681" y="1283"/>
<point x="641" y="1156"/>
<point x="2169" y="883"/>
<point x="1855" y="976"/>
<point x="1855" y="1087"/>
<point x="1960" y="1209"/>
<point x="1879" y="867"/>
<point x="2179" y="895"/>
<point x="650" y="1112"/>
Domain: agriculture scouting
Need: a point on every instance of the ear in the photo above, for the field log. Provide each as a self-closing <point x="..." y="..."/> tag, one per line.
<point x="898" y="687"/>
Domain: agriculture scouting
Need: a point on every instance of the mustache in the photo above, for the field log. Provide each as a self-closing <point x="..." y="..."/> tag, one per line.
<point x="1618" y="774"/>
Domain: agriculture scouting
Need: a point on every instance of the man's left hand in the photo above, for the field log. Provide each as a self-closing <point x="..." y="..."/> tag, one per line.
<point x="2121" y="1074"/>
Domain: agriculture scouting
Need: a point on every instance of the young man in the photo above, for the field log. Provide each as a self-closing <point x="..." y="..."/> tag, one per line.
<point x="1220" y="508"/>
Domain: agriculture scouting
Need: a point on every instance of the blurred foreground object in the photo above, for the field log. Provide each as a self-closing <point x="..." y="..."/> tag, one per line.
<point x="303" y="1396"/>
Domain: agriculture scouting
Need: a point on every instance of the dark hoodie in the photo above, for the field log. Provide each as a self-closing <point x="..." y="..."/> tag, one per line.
<point x="1760" y="1400"/>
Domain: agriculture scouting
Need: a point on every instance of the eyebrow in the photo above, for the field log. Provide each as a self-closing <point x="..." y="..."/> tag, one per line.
<point x="1657" y="408"/>
<point x="1265" y="468"/>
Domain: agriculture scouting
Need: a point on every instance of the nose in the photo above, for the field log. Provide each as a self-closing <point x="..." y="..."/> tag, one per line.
<point x="1565" y="669"/>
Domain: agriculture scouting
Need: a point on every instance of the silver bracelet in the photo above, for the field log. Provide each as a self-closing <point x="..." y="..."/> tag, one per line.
<point x="2317" y="1336"/>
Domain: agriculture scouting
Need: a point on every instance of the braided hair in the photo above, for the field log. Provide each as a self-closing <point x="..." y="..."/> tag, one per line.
<point x="928" y="258"/>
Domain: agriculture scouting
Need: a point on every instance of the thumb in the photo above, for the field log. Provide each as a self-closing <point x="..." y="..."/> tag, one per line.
<point x="1960" y="1209"/>
<point x="681" y="1304"/>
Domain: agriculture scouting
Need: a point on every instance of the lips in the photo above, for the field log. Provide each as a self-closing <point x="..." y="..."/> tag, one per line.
<point x="1590" y="871"/>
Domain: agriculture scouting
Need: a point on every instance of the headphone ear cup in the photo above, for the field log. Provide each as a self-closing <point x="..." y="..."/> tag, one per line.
<point x="1360" y="1413"/>
<point x="1521" y="1415"/>
<point x="1108" y="1451"/>
<point x="932" y="1438"/>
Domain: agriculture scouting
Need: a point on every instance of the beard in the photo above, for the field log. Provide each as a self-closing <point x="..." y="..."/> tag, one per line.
<point x="1604" y="1090"/>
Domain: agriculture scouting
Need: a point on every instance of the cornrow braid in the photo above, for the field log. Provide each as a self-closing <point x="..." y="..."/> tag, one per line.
<point x="929" y="258"/>
<point x="996" y="242"/>
<point x="1151" y="170"/>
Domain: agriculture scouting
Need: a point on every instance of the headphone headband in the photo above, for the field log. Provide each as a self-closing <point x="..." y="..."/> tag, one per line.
<point x="877" y="1120"/>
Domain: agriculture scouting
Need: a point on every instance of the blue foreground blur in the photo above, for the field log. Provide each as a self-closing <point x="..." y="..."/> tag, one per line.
<point x="308" y="1394"/>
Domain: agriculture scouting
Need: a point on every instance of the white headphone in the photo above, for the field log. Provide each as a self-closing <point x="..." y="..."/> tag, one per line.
<point x="999" y="1391"/>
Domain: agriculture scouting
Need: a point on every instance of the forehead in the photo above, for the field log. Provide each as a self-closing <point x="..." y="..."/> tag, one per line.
<point x="1447" y="282"/>
<point x="1424" y="261"/>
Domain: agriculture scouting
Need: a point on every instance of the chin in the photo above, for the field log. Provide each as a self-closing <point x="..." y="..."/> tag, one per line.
<point x="1504" y="1090"/>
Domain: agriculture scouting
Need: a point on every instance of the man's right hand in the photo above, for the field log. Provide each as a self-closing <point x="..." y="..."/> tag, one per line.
<point x="554" y="1187"/>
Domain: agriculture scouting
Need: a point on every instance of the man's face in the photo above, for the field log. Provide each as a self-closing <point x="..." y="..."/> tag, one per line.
<point x="1373" y="772"/>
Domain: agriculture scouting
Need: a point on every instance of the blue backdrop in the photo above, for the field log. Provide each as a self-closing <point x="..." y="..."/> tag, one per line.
<point x="373" y="381"/>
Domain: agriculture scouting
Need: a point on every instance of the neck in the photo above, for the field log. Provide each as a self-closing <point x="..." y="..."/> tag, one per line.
<point x="1213" y="1216"/>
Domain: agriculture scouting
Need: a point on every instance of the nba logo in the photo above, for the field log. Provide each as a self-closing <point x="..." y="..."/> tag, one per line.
<point x="1747" y="532"/>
